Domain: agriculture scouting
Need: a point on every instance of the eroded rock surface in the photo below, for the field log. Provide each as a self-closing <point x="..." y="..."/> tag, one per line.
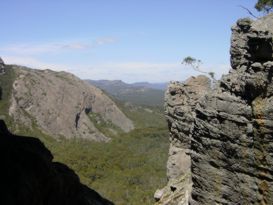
<point x="59" y="104"/>
<point x="29" y="177"/>
<point x="180" y="101"/>
<point x="227" y="135"/>
<point x="232" y="138"/>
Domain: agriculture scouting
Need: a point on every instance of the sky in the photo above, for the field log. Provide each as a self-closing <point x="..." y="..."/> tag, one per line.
<point x="129" y="40"/>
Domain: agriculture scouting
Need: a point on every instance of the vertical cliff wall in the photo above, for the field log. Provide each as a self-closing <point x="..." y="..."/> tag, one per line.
<point x="180" y="102"/>
<point x="232" y="141"/>
<point x="227" y="138"/>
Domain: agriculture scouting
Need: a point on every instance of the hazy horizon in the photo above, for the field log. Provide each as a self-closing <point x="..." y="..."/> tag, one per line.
<point x="129" y="41"/>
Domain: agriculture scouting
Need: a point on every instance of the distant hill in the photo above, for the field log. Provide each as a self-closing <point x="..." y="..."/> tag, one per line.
<point x="157" y="86"/>
<point x="57" y="103"/>
<point x="64" y="111"/>
<point x="142" y="93"/>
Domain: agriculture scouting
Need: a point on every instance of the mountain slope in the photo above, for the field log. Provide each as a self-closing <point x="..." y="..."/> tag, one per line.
<point x="127" y="169"/>
<point x="137" y="93"/>
<point x="157" y="86"/>
<point x="61" y="104"/>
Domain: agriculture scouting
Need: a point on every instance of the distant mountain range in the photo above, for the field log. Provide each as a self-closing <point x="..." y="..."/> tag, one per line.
<point x="157" y="86"/>
<point x="140" y="93"/>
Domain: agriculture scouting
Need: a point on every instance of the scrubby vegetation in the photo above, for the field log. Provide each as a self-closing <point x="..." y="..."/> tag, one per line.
<point x="137" y="95"/>
<point x="264" y="5"/>
<point x="127" y="170"/>
<point x="104" y="126"/>
<point x="144" y="116"/>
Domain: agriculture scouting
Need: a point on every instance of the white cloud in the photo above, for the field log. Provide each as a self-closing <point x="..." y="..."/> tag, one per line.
<point x="132" y="71"/>
<point x="128" y="71"/>
<point x="33" y="63"/>
<point x="73" y="46"/>
<point x="145" y="71"/>
<point x="38" y="48"/>
<point x="43" y="48"/>
<point x="104" y="40"/>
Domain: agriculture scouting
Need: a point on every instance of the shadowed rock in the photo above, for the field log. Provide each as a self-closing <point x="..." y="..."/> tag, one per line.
<point x="29" y="177"/>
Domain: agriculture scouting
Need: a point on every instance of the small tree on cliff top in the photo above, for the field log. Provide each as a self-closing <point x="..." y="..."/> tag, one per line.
<point x="195" y="64"/>
<point x="264" y="5"/>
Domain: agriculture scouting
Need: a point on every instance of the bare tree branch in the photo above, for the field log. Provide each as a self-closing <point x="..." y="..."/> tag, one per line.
<point x="195" y="65"/>
<point x="248" y="11"/>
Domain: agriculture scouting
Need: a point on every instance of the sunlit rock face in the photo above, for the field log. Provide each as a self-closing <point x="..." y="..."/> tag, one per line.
<point x="232" y="139"/>
<point x="60" y="105"/>
<point x="229" y="138"/>
<point x="180" y="102"/>
<point x="30" y="177"/>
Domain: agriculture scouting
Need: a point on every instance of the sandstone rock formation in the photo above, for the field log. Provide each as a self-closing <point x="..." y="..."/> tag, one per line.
<point x="29" y="177"/>
<point x="232" y="144"/>
<point x="59" y="104"/>
<point x="180" y="102"/>
<point x="231" y="135"/>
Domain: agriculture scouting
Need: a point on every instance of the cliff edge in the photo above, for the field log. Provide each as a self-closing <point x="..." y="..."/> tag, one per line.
<point x="230" y="140"/>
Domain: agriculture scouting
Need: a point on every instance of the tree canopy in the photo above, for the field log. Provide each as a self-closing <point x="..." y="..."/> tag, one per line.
<point x="264" y="5"/>
<point x="195" y="64"/>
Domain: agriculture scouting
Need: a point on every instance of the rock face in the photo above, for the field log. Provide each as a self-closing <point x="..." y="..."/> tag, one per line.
<point x="2" y="66"/>
<point x="180" y="101"/>
<point x="59" y="103"/>
<point x="231" y="135"/>
<point x="29" y="177"/>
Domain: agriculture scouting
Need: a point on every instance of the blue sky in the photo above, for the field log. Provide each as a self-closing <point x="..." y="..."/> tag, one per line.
<point x="131" y="40"/>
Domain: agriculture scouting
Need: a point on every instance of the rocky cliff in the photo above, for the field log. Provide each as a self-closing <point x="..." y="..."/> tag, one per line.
<point x="60" y="104"/>
<point x="180" y="103"/>
<point x="30" y="177"/>
<point x="229" y="133"/>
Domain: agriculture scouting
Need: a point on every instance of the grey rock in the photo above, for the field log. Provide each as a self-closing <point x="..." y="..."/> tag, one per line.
<point x="59" y="104"/>
<point x="158" y="194"/>
<point x="228" y="130"/>
<point x="180" y="101"/>
<point x="231" y="159"/>
<point x="244" y="24"/>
